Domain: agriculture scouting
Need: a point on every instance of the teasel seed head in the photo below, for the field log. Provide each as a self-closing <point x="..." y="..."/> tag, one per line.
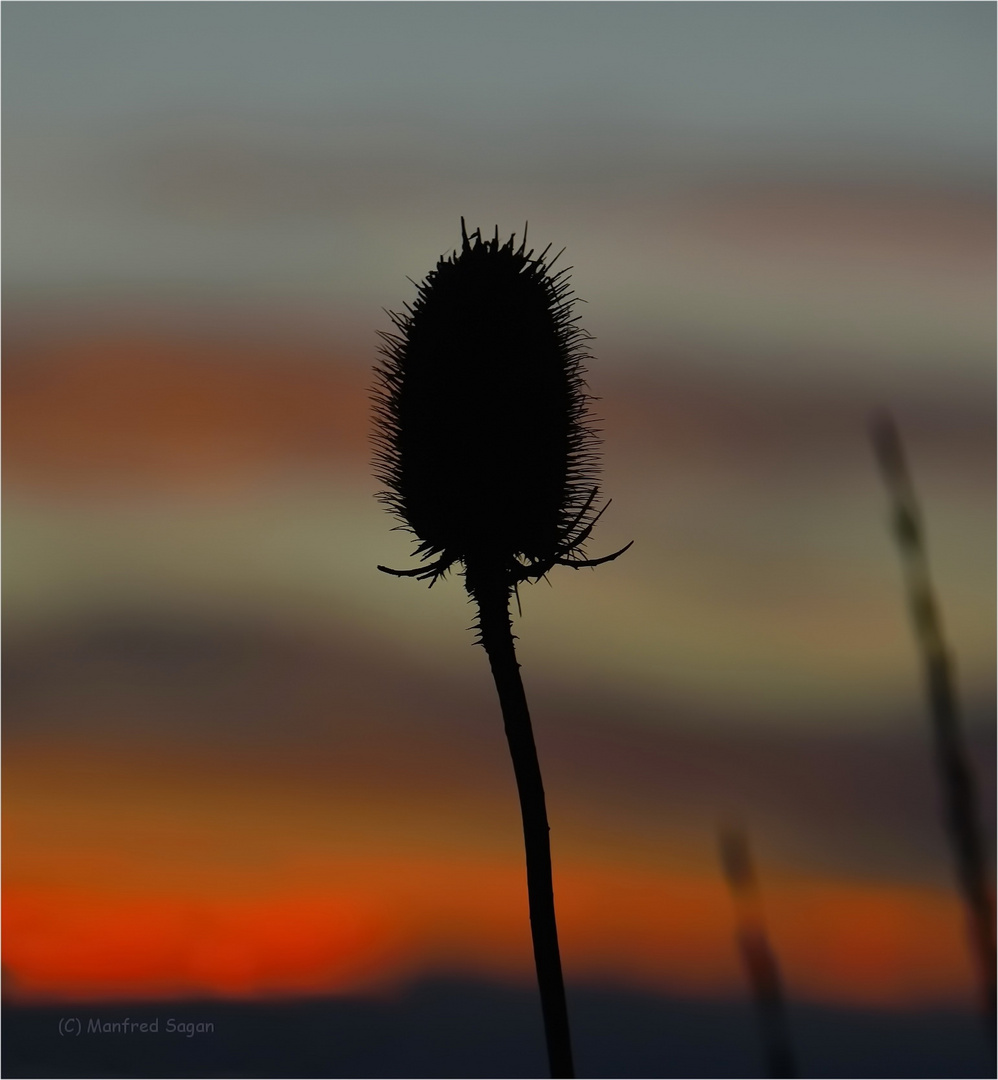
<point x="483" y="437"/>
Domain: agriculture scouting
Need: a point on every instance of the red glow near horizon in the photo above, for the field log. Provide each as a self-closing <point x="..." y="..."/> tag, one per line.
<point x="884" y="946"/>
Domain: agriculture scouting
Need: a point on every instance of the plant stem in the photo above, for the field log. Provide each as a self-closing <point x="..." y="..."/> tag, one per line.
<point x="757" y="955"/>
<point x="492" y="595"/>
<point x="964" y="825"/>
<point x="960" y="802"/>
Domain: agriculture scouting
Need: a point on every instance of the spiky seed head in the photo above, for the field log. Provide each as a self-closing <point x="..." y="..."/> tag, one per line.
<point x="483" y="436"/>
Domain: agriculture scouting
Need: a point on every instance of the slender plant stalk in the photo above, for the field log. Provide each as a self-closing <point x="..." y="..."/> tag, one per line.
<point x="960" y="812"/>
<point x="497" y="638"/>
<point x="758" y="957"/>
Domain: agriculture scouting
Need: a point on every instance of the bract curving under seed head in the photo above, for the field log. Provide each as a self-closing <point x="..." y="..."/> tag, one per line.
<point x="483" y="437"/>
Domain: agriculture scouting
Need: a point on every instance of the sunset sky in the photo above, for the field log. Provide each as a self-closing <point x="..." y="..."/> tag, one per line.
<point x="239" y="760"/>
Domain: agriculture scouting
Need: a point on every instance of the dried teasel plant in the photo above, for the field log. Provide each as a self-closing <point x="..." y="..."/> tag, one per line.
<point x="487" y="452"/>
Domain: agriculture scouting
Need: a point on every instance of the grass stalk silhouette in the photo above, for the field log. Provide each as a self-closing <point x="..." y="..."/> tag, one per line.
<point x="758" y="957"/>
<point x="961" y="813"/>
<point x="487" y="451"/>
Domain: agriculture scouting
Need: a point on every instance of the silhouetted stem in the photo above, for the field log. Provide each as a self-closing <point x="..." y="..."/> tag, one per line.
<point x="767" y="990"/>
<point x="961" y="814"/>
<point x="492" y="595"/>
<point x="964" y="826"/>
<point x="757" y="955"/>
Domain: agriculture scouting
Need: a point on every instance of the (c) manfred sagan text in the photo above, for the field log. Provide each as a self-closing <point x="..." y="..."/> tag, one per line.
<point x="96" y="1026"/>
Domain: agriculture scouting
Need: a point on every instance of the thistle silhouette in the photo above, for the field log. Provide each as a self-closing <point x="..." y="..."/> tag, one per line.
<point x="485" y="445"/>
